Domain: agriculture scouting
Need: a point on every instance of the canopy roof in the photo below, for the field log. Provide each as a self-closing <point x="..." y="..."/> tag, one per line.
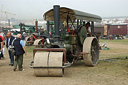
<point x="74" y="14"/>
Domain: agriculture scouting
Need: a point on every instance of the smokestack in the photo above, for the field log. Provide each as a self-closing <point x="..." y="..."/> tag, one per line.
<point x="36" y="25"/>
<point x="56" y="20"/>
<point x="20" y="27"/>
<point x="47" y="27"/>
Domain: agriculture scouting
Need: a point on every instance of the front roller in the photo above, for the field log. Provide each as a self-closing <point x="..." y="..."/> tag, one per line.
<point x="40" y="61"/>
<point x="47" y="62"/>
<point x="56" y="60"/>
<point x="91" y="51"/>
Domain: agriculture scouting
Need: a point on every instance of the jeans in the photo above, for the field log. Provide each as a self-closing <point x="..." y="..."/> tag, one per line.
<point x="19" y="62"/>
<point x="11" y="57"/>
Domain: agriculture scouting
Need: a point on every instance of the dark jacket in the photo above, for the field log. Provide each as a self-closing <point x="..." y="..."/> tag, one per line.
<point x="18" y="47"/>
<point x="11" y="39"/>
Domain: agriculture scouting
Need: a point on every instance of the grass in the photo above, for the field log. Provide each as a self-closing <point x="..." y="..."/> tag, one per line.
<point x="124" y="41"/>
<point x="30" y="48"/>
<point x="118" y="48"/>
<point x="113" y="53"/>
<point x="113" y="62"/>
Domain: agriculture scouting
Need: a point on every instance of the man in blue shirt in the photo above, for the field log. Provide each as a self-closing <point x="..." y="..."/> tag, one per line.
<point x="20" y="50"/>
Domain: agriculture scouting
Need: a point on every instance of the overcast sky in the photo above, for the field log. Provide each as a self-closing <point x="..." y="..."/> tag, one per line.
<point x="34" y="9"/>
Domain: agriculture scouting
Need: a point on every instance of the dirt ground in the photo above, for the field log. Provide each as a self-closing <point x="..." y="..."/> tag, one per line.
<point x="105" y="73"/>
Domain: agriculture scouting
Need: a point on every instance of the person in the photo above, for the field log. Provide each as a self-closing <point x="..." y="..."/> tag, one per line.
<point x="1" y="46"/>
<point x="9" y="40"/>
<point x="87" y="25"/>
<point x="3" y="35"/>
<point x="20" y="50"/>
<point x="24" y="36"/>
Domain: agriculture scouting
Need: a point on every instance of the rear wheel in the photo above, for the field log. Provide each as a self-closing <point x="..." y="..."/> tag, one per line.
<point x="91" y="51"/>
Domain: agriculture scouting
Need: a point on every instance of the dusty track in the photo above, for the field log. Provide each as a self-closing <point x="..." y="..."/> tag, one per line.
<point x="105" y="73"/>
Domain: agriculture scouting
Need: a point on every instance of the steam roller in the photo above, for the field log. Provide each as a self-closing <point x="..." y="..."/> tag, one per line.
<point x="66" y="45"/>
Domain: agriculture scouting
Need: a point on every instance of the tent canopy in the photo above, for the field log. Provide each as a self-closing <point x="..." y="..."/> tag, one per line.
<point x="74" y="14"/>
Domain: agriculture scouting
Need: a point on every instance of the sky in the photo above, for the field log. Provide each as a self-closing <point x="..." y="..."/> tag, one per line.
<point x="34" y="9"/>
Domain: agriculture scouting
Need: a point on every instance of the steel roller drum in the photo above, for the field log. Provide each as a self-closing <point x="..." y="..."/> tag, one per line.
<point x="50" y="63"/>
<point x="55" y="60"/>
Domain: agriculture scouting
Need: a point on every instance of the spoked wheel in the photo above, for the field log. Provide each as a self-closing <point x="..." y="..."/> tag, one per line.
<point x="46" y="44"/>
<point x="91" y="51"/>
<point x="28" y="41"/>
<point x="40" y="44"/>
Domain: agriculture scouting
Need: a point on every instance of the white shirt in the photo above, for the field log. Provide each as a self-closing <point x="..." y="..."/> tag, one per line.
<point x="8" y="41"/>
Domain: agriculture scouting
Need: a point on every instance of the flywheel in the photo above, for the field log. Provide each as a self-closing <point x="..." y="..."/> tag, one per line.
<point x="83" y="34"/>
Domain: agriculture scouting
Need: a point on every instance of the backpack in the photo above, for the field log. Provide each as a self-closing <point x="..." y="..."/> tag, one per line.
<point x="11" y="48"/>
